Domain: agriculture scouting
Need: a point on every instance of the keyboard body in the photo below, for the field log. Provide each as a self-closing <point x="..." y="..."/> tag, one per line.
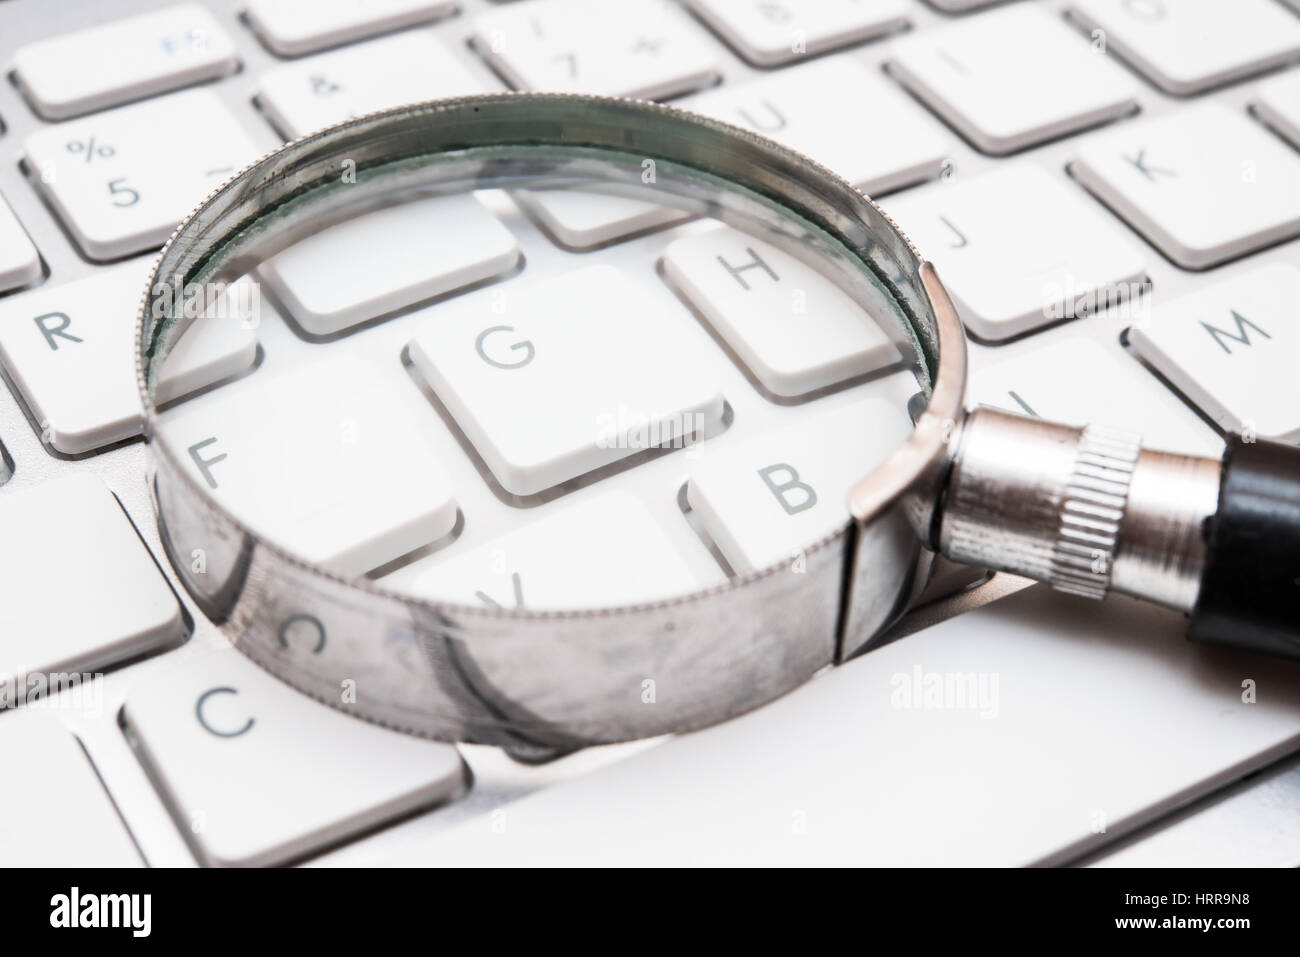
<point x="1141" y="728"/>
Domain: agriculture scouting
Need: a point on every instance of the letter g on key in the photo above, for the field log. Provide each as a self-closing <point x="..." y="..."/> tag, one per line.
<point x="525" y="347"/>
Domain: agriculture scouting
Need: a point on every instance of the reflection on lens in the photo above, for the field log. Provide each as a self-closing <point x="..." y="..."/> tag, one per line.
<point x="543" y="385"/>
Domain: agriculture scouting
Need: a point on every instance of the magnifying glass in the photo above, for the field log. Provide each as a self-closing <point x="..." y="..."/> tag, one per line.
<point x="436" y="404"/>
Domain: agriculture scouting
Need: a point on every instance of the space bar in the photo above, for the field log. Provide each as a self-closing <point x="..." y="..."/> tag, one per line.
<point x="1032" y="730"/>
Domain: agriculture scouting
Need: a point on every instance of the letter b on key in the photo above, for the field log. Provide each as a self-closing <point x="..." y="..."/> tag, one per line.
<point x="782" y="481"/>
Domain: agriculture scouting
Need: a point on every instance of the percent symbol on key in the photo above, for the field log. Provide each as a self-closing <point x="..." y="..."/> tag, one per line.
<point x="91" y="149"/>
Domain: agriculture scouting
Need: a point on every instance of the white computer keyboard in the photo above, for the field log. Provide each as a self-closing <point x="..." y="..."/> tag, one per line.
<point x="1053" y="158"/>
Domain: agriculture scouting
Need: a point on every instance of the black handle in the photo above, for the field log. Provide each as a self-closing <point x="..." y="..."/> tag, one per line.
<point x="1250" y="589"/>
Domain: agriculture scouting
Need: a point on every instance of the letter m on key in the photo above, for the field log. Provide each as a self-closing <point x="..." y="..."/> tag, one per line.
<point x="1241" y="335"/>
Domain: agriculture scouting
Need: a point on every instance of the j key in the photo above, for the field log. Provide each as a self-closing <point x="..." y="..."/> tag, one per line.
<point x="552" y="380"/>
<point x="1019" y="248"/>
<point x="123" y="60"/>
<point x="605" y="550"/>
<point x="641" y="48"/>
<point x="1278" y="105"/>
<point x="1191" y="45"/>
<point x="396" y="257"/>
<point x="582" y="219"/>
<point x="794" y="329"/>
<point x="772" y="33"/>
<point x="1232" y="349"/>
<point x="257" y="774"/>
<point x="1205" y="184"/>
<point x="69" y="350"/>
<point x="1013" y="77"/>
<point x="763" y="499"/>
<point x="333" y="461"/>
<point x="121" y="181"/>
<point x="1079" y="381"/>
<point x="60" y="815"/>
<point x="20" y="264"/>
<point x="82" y="593"/>
<point x="791" y="106"/>
<point x="323" y="90"/>
<point x="294" y="27"/>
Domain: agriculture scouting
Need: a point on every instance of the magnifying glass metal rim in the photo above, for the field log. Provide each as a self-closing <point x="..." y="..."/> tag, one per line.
<point x="903" y="489"/>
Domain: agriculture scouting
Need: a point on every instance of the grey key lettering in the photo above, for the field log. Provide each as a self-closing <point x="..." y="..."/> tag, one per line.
<point x="572" y="60"/>
<point x="525" y="347"/>
<point x="1023" y="404"/>
<point x="205" y="465"/>
<point x="1241" y="336"/>
<point x="789" y="483"/>
<point x="311" y="622"/>
<point x="756" y="262"/>
<point x="212" y="729"/>
<point x="52" y="332"/>
<point x="1150" y="172"/>
<point x="518" y="584"/>
<point x="776" y="122"/>
<point x="961" y="237"/>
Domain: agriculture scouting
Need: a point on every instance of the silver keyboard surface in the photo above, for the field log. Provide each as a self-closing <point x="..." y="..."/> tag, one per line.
<point x="1160" y="171"/>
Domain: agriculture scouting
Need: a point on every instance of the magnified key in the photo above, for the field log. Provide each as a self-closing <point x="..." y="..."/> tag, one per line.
<point x="333" y="457"/>
<point x="571" y="374"/>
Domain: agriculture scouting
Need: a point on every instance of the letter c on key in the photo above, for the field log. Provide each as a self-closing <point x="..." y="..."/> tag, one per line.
<point x="198" y="712"/>
<point x="313" y="621"/>
<point x="526" y="347"/>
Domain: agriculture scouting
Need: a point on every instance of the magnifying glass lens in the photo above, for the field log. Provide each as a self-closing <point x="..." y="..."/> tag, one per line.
<point x="537" y="381"/>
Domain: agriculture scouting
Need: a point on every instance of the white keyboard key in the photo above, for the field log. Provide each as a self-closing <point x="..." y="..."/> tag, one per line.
<point x="1188" y="46"/>
<point x="1204" y="183"/>
<point x="571" y="379"/>
<point x="320" y="91"/>
<point x="294" y="27"/>
<point x="1278" y="105"/>
<point x="640" y="48"/>
<point x="70" y="351"/>
<point x="791" y="107"/>
<point x="1058" y="717"/>
<point x="390" y="265"/>
<point x="1233" y="349"/>
<point x="257" y="774"/>
<point x="332" y="461"/>
<point x="584" y="219"/>
<point x="81" y="591"/>
<point x="116" y="186"/>
<point x="1019" y="248"/>
<point x="59" y="816"/>
<point x="600" y="551"/>
<point x="793" y="328"/>
<point x="763" y="499"/>
<point x="771" y="33"/>
<point x="20" y="264"/>
<point x="1013" y="77"/>
<point x="1079" y="381"/>
<point x="123" y="60"/>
